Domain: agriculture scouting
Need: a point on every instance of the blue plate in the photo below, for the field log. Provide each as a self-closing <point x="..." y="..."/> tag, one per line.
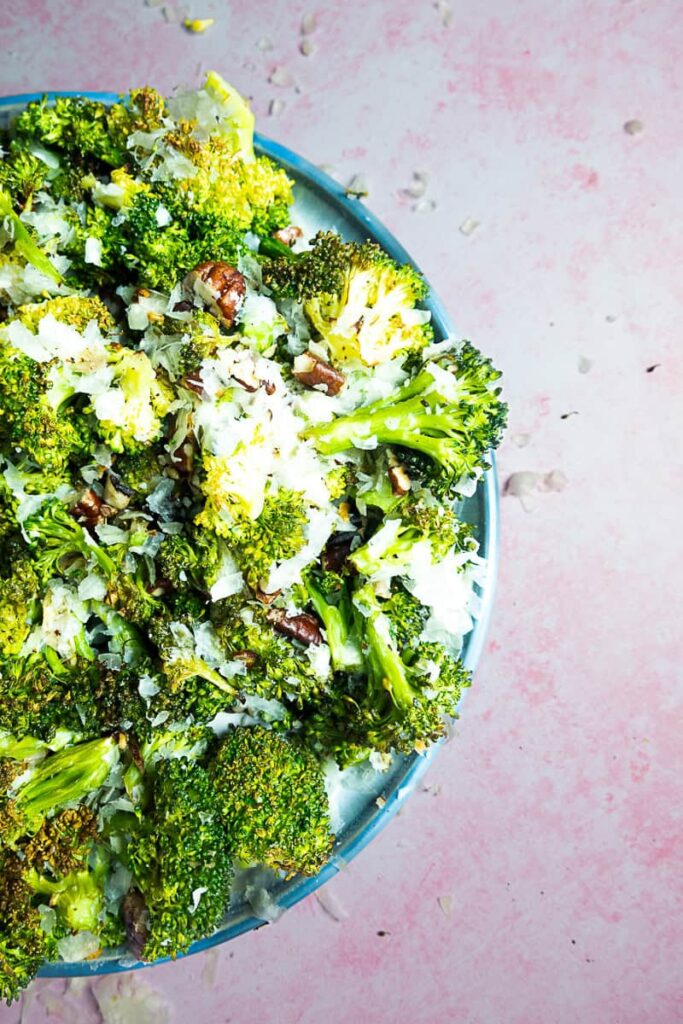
<point x="321" y="203"/>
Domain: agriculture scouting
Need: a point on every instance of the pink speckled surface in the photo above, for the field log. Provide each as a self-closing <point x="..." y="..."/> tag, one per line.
<point x="538" y="878"/>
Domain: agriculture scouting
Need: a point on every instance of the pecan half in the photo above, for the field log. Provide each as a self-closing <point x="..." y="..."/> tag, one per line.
<point x="303" y="627"/>
<point x="289" y="235"/>
<point x="314" y="372"/>
<point x="90" y="509"/>
<point x="336" y="551"/>
<point x="220" y="286"/>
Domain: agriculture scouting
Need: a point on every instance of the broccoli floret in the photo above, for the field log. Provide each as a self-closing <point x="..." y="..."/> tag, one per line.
<point x="180" y="860"/>
<point x="63" y="843"/>
<point x="60" y="545"/>
<point x="41" y="696"/>
<point x="319" y="270"/>
<point x="21" y="175"/>
<point x="177" y="560"/>
<point x="140" y="470"/>
<point x="275" y="668"/>
<point x="124" y="638"/>
<point x="180" y="661"/>
<point x="452" y="414"/>
<point x="18" y="593"/>
<point x="49" y="785"/>
<point x="24" y="244"/>
<point x="87" y="129"/>
<point x="75" y="310"/>
<point x="78" y="897"/>
<point x="361" y="302"/>
<point x="130" y="415"/>
<point x="273" y="801"/>
<point x="329" y="596"/>
<point x="47" y="434"/>
<point x="275" y="535"/>
<point x="24" y="944"/>
<point x="129" y="593"/>
<point x="410" y="690"/>
<point x="391" y="550"/>
<point x="341" y="481"/>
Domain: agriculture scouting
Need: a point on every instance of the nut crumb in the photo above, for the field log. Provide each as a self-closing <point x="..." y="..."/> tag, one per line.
<point x="276" y="107"/>
<point x="469" y="226"/>
<point x="521" y="440"/>
<point x="633" y="127"/>
<point x="424" y="206"/>
<point x="281" y="77"/>
<point x="306" y="47"/>
<point x="445" y="12"/>
<point x="446" y="905"/>
<point x="309" y="23"/>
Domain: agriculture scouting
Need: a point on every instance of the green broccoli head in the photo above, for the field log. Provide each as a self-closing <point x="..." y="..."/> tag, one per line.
<point x="275" y="535"/>
<point x="60" y="545"/>
<point x="51" y="437"/>
<point x="75" y="310"/>
<point x="362" y="303"/>
<point x="180" y="861"/>
<point x="42" y="697"/>
<point x="410" y="688"/>
<point x="130" y="414"/>
<point x="181" y="662"/>
<point x="275" y="668"/>
<point x="77" y="898"/>
<point x="63" y="843"/>
<point x="88" y="130"/>
<point x="391" y="550"/>
<point x="24" y="944"/>
<point x="273" y="801"/>
<point x="140" y="469"/>
<point x="449" y="415"/>
<point x="18" y="594"/>
<point x="22" y="175"/>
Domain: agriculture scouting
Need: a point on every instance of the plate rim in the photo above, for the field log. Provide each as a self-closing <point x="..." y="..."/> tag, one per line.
<point x="364" y="220"/>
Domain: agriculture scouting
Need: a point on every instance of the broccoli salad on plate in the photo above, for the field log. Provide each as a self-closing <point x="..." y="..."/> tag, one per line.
<point x="231" y="563"/>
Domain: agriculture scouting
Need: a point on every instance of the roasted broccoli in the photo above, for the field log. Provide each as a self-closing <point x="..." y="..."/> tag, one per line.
<point x="180" y="859"/>
<point x="273" y="801"/>
<point x="450" y="413"/>
<point x="411" y="687"/>
<point x="362" y="303"/>
<point x="59" y="780"/>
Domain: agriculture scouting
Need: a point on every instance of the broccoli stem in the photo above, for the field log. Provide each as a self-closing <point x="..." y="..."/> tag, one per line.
<point x="66" y="777"/>
<point x="344" y="651"/>
<point x="23" y="242"/>
<point x="387" y="669"/>
<point x="417" y="418"/>
<point x="371" y="557"/>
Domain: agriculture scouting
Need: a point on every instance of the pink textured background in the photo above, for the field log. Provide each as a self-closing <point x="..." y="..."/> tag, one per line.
<point x="537" y="880"/>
